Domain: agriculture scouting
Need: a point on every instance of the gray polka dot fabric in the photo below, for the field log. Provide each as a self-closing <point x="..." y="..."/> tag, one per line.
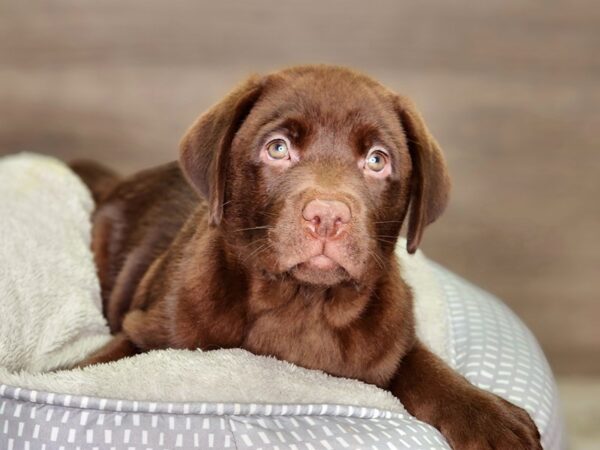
<point x="489" y="345"/>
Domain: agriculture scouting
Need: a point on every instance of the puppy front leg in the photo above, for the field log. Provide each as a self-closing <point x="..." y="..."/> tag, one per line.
<point x="118" y="347"/>
<point x="468" y="417"/>
<point x="142" y="331"/>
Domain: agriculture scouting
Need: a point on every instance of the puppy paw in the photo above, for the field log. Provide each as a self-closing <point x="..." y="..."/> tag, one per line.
<point x="482" y="421"/>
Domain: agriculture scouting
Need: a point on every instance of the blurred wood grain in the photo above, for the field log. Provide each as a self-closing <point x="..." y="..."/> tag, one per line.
<point x="509" y="88"/>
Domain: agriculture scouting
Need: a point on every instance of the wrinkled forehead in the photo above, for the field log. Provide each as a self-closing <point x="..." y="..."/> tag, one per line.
<point x="334" y="105"/>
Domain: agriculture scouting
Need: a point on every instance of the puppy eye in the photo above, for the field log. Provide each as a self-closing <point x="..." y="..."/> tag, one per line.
<point x="376" y="161"/>
<point x="278" y="149"/>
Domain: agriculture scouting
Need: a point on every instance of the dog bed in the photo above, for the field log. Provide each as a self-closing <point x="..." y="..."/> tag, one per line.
<point x="168" y="399"/>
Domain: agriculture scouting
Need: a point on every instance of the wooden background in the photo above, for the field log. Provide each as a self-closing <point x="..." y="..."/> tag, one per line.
<point x="510" y="89"/>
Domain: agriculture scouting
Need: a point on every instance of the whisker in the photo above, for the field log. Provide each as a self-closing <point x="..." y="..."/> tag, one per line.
<point x="384" y="238"/>
<point x="383" y="263"/>
<point x="257" y="251"/>
<point x="377" y="259"/>
<point x="263" y="227"/>
<point x="268" y="214"/>
<point x="386" y="241"/>
<point x="254" y="242"/>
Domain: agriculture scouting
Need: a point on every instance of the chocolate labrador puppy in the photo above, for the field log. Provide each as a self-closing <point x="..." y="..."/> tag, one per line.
<point x="276" y="233"/>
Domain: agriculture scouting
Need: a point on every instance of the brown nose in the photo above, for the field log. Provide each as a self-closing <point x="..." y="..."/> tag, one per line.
<point x="326" y="218"/>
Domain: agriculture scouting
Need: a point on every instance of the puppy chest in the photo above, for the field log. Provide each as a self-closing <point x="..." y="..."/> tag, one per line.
<point x="300" y="336"/>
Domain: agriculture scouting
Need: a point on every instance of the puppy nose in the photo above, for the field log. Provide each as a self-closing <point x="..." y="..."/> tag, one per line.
<point x="326" y="218"/>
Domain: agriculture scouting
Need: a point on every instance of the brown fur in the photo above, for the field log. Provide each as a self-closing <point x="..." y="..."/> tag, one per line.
<point x="217" y="254"/>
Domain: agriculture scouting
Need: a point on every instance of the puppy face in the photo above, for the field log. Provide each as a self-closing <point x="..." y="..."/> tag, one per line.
<point x="313" y="178"/>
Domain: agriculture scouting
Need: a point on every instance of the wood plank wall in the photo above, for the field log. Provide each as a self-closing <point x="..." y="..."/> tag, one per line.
<point x="510" y="89"/>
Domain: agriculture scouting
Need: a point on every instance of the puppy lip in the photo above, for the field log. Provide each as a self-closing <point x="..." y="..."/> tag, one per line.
<point x="322" y="262"/>
<point x="308" y="273"/>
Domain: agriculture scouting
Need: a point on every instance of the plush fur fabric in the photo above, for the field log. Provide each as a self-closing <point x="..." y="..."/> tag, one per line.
<point x="50" y="294"/>
<point x="215" y="376"/>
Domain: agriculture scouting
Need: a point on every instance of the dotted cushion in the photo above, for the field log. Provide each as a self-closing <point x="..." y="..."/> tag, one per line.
<point x="488" y="344"/>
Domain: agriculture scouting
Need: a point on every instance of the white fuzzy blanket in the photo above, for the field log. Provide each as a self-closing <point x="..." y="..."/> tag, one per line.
<point x="50" y="313"/>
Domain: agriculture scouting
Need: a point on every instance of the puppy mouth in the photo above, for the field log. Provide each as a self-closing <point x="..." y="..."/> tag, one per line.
<point x="320" y="270"/>
<point x="321" y="262"/>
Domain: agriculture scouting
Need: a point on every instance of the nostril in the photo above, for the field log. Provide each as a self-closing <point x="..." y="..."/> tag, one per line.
<point x="326" y="217"/>
<point x="343" y="214"/>
<point x="340" y="213"/>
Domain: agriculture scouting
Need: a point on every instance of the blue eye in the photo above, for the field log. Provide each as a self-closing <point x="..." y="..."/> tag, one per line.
<point x="278" y="149"/>
<point x="376" y="161"/>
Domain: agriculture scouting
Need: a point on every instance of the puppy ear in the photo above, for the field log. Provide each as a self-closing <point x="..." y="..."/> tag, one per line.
<point x="430" y="182"/>
<point x="204" y="149"/>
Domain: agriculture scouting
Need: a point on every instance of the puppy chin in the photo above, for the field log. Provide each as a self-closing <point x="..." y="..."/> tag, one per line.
<point x="310" y="273"/>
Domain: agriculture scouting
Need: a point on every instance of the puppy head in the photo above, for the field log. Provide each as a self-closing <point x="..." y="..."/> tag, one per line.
<point x="311" y="171"/>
